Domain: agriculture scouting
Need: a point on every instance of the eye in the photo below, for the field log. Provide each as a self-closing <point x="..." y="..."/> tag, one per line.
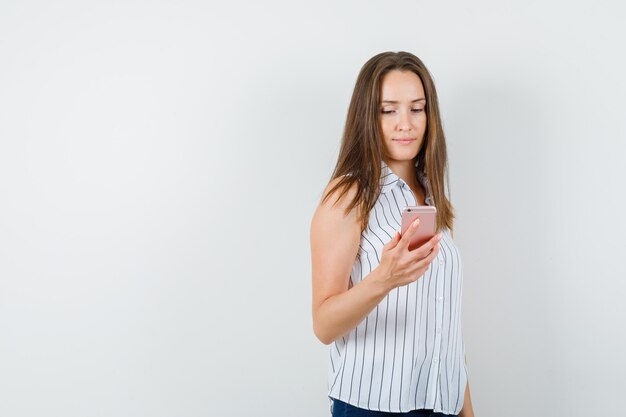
<point x="386" y="111"/>
<point x="418" y="110"/>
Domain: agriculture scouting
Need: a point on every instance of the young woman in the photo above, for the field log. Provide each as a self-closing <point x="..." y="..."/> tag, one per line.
<point x="391" y="315"/>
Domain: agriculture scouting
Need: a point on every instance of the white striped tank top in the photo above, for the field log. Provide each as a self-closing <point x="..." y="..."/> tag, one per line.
<point x="408" y="352"/>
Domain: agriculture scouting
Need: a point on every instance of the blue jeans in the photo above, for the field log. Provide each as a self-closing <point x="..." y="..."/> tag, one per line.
<point x="341" y="409"/>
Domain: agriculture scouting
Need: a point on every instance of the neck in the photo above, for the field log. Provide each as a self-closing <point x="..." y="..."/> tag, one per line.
<point x="404" y="170"/>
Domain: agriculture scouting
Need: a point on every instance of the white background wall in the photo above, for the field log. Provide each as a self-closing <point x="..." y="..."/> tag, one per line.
<point x="160" y="163"/>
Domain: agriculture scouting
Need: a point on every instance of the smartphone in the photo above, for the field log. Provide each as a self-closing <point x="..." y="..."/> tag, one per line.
<point x="427" y="227"/>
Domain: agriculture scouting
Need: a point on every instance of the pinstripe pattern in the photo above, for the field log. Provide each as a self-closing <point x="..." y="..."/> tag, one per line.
<point x="408" y="353"/>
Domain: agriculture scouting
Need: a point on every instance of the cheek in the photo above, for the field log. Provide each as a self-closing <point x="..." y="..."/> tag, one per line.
<point x="387" y="126"/>
<point x="421" y="120"/>
<point x="420" y="125"/>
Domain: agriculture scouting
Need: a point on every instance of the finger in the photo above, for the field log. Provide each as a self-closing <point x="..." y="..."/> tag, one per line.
<point x="424" y="250"/>
<point x="429" y="258"/>
<point x="406" y="237"/>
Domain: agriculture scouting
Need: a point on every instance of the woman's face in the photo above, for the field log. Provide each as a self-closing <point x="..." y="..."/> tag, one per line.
<point x="402" y="115"/>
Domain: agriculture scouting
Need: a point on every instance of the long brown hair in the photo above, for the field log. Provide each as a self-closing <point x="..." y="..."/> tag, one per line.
<point x="360" y="156"/>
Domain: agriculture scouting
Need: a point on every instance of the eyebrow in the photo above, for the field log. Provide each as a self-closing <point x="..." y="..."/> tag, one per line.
<point x="396" y="102"/>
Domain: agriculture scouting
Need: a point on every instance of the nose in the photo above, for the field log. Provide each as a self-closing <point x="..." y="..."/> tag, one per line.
<point x="404" y="120"/>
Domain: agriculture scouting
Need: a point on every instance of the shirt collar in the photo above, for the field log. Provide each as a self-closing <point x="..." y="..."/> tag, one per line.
<point x="389" y="180"/>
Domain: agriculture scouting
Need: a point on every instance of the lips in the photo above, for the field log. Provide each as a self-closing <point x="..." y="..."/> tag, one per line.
<point x="403" y="141"/>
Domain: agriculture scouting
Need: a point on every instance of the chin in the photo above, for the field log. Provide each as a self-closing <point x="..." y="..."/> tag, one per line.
<point x="408" y="154"/>
<point x="405" y="154"/>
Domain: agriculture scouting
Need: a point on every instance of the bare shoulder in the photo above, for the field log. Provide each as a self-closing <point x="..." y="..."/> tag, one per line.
<point x="343" y="195"/>
<point x="334" y="207"/>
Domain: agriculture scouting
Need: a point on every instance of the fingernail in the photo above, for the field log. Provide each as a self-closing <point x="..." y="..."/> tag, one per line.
<point x="416" y="222"/>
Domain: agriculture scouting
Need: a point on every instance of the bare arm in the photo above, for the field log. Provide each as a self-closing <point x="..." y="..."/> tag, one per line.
<point x="467" y="410"/>
<point x="335" y="239"/>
